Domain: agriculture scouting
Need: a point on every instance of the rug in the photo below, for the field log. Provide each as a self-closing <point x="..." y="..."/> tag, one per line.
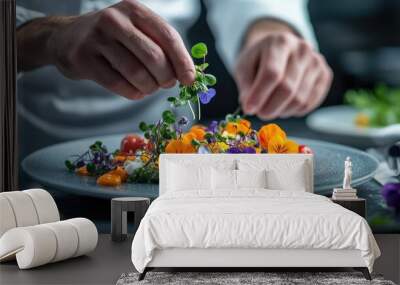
<point x="244" y="278"/>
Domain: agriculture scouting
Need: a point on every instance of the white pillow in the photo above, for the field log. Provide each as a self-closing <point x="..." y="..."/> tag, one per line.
<point x="251" y="178"/>
<point x="186" y="177"/>
<point x="223" y="179"/>
<point x="282" y="173"/>
<point x="231" y="180"/>
<point x="293" y="180"/>
<point x="190" y="176"/>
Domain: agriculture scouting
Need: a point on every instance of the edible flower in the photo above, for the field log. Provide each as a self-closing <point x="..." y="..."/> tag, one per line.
<point x="242" y="126"/>
<point x="206" y="96"/>
<point x="391" y="194"/>
<point x="183" y="121"/>
<point x="121" y="172"/>
<point x="82" y="171"/>
<point x="267" y="132"/>
<point x="213" y="127"/>
<point x="180" y="146"/>
<point x="109" y="180"/>
<point x="278" y="144"/>
<point x="198" y="132"/>
<point x="246" y="149"/>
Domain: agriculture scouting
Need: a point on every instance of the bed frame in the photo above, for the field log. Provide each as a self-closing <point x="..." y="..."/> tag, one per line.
<point x="246" y="258"/>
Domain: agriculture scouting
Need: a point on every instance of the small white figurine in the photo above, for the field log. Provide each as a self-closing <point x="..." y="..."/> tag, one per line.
<point x="346" y="192"/>
<point x="348" y="172"/>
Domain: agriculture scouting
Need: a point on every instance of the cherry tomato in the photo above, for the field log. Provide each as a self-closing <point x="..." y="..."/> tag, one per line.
<point x="131" y="143"/>
<point x="305" y="149"/>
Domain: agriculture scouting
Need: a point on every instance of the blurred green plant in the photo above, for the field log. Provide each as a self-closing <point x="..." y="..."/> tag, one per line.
<point x="381" y="105"/>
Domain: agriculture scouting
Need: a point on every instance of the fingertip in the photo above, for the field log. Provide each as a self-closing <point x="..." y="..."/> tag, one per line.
<point x="135" y="96"/>
<point x="187" y="77"/>
<point x="249" y="109"/>
<point x="169" y="84"/>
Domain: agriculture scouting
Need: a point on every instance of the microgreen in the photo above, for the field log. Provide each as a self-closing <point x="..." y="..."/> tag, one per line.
<point x="197" y="93"/>
<point x="169" y="127"/>
<point x="97" y="160"/>
<point x="381" y="105"/>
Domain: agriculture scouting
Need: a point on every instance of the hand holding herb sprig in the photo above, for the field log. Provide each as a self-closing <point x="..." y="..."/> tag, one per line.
<point x="139" y="159"/>
<point x="97" y="161"/>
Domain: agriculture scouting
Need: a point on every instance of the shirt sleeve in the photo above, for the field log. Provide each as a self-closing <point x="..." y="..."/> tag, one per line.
<point x="229" y="20"/>
<point x="24" y="15"/>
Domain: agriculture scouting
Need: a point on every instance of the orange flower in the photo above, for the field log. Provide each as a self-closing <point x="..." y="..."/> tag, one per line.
<point x="82" y="171"/>
<point x="119" y="158"/>
<point x="198" y="133"/>
<point x="120" y="172"/>
<point x="199" y="126"/>
<point x="109" y="180"/>
<point x="242" y="126"/>
<point x="180" y="146"/>
<point x="188" y="137"/>
<point x="278" y="144"/>
<point x="267" y="132"/>
<point x="123" y="158"/>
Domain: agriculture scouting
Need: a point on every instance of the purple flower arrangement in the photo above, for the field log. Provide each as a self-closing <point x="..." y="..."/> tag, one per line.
<point x="391" y="194"/>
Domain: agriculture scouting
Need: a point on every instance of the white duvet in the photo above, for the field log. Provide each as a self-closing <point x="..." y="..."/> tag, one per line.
<point x="250" y="219"/>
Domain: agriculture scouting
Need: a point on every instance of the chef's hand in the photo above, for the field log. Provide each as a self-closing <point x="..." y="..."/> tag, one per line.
<point x="126" y="48"/>
<point x="279" y="74"/>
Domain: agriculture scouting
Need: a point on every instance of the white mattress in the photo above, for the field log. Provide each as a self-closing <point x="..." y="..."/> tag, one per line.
<point x="253" y="219"/>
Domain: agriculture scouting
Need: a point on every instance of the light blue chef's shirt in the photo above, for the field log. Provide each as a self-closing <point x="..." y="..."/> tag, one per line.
<point x="53" y="108"/>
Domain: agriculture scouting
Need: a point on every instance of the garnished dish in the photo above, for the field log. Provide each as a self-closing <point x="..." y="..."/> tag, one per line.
<point x="137" y="159"/>
<point x="377" y="108"/>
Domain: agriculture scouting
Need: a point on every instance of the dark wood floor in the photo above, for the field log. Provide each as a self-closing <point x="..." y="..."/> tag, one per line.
<point x="103" y="266"/>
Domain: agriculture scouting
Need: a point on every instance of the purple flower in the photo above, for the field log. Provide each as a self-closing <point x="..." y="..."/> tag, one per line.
<point x="391" y="194"/>
<point x="183" y="121"/>
<point x="248" y="149"/>
<point x="205" y="97"/>
<point x="80" y="163"/>
<point x="213" y="127"/>
<point x="234" y="149"/>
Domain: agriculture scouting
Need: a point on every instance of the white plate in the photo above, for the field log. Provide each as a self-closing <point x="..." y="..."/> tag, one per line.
<point x="338" y="123"/>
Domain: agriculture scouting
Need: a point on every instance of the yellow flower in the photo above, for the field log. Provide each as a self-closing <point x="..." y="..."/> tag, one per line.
<point x="361" y="120"/>
<point x="145" y="157"/>
<point x="218" y="147"/>
<point x="242" y="126"/>
<point x="278" y="144"/>
<point x="267" y="132"/>
<point x="180" y="146"/>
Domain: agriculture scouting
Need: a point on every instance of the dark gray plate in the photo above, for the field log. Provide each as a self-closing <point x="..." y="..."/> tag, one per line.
<point x="47" y="167"/>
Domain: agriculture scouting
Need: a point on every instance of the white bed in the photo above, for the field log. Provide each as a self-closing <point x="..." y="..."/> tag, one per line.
<point x="198" y="223"/>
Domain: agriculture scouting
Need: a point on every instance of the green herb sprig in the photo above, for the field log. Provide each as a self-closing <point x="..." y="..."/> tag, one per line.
<point x="189" y="95"/>
<point x="381" y="105"/>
